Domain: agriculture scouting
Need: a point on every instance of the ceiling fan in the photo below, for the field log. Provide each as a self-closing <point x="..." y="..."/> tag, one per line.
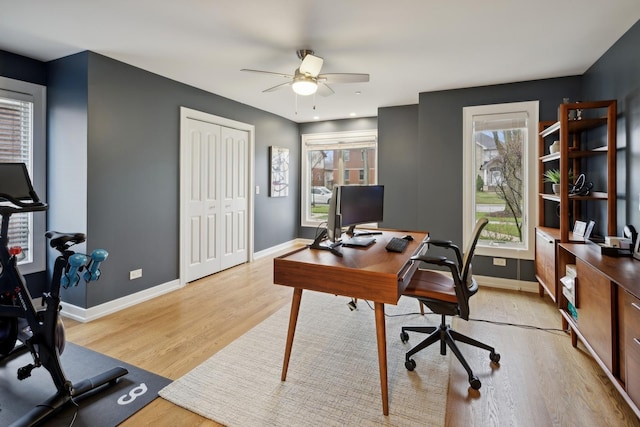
<point x="307" y="79"/>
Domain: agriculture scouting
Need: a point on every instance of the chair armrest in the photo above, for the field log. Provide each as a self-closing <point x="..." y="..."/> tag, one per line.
<point x="448" y="244"/>
<point x="439" y="260"/>
<point x="442" y="243"/>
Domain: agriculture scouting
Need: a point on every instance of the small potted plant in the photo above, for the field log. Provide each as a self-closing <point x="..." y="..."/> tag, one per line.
<point x="553" y="176"/>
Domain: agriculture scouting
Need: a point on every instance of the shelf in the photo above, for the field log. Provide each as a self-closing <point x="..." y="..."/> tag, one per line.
<point x="550" y="157"/>
<point x="554" y="233"/>
<point x="575" y="154"/>
<point x="551" y="197"/>
<point x="575" y="126"/>
<point x="594" y="195"/>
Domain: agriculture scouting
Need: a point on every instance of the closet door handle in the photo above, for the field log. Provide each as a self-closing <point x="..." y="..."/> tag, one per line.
<point x="637" y="341"/>
<point x="635" y="305"/>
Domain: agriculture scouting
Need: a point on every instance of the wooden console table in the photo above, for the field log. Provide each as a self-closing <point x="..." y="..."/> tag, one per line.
<point x="607" y="313"/>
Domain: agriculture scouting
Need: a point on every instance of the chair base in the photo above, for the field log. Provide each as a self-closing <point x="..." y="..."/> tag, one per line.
<point x="447" y="337"/>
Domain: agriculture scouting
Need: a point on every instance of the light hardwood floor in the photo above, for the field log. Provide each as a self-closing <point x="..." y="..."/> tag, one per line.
<point x="541" y="381"/>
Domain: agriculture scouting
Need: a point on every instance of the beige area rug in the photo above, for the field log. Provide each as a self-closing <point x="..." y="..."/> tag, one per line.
<point x="333" y="377"/>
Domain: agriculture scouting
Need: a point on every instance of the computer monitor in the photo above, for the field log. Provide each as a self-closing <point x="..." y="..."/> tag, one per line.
<point x="334" y="223"/>
<point x="352" y="205"/>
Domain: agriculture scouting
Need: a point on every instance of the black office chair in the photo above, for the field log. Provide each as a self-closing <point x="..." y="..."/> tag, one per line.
<point x="447" y="296"/>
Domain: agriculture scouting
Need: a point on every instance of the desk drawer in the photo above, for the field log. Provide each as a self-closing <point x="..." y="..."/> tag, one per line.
<point x="631" y="340"/>
<point x="594" y="294"/>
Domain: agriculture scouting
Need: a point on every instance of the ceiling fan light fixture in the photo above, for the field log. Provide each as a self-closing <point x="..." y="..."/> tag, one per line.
<point x="304" y="85"/>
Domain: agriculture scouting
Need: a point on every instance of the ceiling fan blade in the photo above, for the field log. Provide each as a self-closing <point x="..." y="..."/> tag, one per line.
<point x="277" y="87"/>
<point x="311" y="65"/>
<point x="344" y="78"/>
<point x="286" y="76"/>
<point x="324" y="90"/>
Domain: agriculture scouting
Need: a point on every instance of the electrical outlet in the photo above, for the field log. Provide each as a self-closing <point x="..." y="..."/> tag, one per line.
<point x="502" y="262"/>
<point x="135" y="274"/>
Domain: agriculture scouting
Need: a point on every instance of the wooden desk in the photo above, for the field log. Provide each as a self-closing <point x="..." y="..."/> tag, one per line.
<point x="366" y="273"/>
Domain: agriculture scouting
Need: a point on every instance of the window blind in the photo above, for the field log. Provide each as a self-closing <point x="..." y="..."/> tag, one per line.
<point x="16" y="133"/>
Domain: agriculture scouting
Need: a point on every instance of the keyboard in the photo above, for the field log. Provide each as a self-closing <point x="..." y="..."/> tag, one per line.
<point x="396" y="244"/>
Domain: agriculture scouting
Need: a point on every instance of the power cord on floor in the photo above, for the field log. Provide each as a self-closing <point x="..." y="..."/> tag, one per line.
<point x="352" y="306"/>
<point x="517" y="325"/>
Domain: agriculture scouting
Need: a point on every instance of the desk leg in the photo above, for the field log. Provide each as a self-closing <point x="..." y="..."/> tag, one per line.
<point x="381" y="333"/>
<point x="293" y="320"/>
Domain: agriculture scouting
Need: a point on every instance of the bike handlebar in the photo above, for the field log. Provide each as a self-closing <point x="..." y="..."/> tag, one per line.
<point x="17" y="205"/>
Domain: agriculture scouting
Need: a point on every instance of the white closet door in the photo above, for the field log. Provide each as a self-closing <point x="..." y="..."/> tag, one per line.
<point x="203" y="153"/>
<point x="235" y="149"/>
<point x="218" y="159"/>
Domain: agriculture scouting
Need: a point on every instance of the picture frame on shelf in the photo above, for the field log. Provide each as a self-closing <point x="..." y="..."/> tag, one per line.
<point x="579" y="229"/>
<point x="589" y="230"/>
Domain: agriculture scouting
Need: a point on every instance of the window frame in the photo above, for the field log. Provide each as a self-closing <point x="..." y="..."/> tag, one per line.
<point x="342" y="140"/>
<point x="20" y="90"/>
<point x="530" y="185"/>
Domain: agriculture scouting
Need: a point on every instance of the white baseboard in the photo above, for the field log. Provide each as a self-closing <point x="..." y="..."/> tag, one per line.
<point x="511" y="284"/>
<point x="88" y="314"/>
<point x="281" y="247"/>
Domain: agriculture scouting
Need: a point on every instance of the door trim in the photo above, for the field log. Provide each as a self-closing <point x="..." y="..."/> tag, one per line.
<point x="186" y="114"/>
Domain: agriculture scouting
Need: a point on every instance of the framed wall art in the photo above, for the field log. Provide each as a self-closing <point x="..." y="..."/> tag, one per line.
<point x="278" y="171"/>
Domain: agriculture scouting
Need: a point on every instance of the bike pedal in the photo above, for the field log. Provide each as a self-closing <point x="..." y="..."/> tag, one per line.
<point x="25" y="372"/>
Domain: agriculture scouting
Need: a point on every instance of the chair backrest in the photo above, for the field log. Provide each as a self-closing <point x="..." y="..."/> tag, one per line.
<point x="467" y="285"/>
<point x="471" y="248"/>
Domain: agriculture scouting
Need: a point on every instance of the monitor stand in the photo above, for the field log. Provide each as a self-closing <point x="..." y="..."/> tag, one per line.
<point x="319" y="243"/>
<point x="352" y="232"/>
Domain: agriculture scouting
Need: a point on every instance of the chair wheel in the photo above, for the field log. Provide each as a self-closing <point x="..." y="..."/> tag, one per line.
<point x="410" y="364"/>
<point x="475" y="383"/>
<point x="404" y="337"/>
<point x="495" y="357"/>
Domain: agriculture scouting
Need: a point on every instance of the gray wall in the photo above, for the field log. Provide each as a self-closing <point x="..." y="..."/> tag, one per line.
<point x="400" y="169"/>
<point x="132" y="163"/>
<point x="22" y="68"/>
<point x="67" y="157"/>
<point x="616" y="75"/>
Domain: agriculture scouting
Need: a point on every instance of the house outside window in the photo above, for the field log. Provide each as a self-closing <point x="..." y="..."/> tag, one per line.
<point x="330" y="159"/>
<point x="500" y="177"/>
<point x="22" y="140"/>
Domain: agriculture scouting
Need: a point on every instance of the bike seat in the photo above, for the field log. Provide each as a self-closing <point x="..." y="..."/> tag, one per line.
<point x="63" y="241"/>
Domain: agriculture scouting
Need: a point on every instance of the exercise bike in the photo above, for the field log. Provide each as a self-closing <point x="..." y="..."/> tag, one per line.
<point x="39" y="330"/>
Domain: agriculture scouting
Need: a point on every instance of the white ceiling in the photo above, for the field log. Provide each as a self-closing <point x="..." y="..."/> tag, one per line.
<point x="407" y="46"/>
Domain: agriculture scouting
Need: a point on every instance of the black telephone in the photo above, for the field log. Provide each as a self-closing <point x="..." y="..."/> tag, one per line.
<point x="630" y="232"/>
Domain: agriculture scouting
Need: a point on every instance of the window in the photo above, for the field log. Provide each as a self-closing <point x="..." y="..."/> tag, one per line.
<point x="331" y="159"/>
<point x="500" y="177"/>
<point x="22" y="140"/>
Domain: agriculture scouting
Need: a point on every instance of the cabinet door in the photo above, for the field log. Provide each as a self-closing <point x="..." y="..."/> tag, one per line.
<point x="594" y="296"/>
<point x="546" y="262"/>
<point x="630" y="317"/>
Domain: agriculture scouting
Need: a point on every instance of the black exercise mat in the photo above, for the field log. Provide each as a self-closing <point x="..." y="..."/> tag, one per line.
<point x="96" y="408"/>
